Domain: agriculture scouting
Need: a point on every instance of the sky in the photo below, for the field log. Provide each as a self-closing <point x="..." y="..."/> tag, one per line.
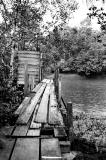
<point x="80" y="14"/>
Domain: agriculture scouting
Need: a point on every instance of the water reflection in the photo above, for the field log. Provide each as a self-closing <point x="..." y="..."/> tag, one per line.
<point x="87" y="95"/>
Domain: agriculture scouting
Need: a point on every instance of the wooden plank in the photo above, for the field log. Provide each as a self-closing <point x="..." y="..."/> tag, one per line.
<point x="20" y="131"/>
<point x="30" y="67"/>
<point x="5" y="152"/>
<point x="27" y="56"/>
<point x="21" y="72"/>
<point x="26" y="149"/>
<point x="41" y="116"/>
<point x="29" y="62"/>
<point x="37" y="87"/>
<point x="34" y="132"/>
<point x="53" y="99"/>
<point x="46" y="81"/>
<point x="24" y="59"/>
<point x="50" y="149"/>
<point x="28" y="52"/>
<point x="54" y="114"/>
<point x="24" y="118"/>
<point x="21" y="81"/>
<point x="23" y="106"/>
<point x="7" y="130"/>
<point x="59" y="132"/>
<point x="35" y="125"/>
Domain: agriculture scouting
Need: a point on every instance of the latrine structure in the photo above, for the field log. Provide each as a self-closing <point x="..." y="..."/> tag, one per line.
<point x="28" y="71"/>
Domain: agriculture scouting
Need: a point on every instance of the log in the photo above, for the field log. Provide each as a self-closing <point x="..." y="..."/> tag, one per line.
<point x="41" y="116"/>
<point x="26" y="149"/>
<point x="24" y="118"/>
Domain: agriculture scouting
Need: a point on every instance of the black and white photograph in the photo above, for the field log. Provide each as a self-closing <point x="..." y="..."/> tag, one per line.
<point x="52" y="80"/>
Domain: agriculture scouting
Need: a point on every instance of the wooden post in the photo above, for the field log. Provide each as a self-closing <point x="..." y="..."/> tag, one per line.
<point x="41" y="69"/>
<point x="56" y="81"/>
<point x="59" y="92"/>
<point x="70" y="121"/>
<point x="31" y="83"/>
<point x="26" y="80"/>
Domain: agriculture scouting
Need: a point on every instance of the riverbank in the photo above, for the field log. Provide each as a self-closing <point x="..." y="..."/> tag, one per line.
<point x="91" y="128"/>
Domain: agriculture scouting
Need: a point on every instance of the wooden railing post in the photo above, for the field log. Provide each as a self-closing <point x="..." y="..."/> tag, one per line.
<point x="70" y="121"/>
<point x="56" y="82"/>
<point x="26" y="80"/>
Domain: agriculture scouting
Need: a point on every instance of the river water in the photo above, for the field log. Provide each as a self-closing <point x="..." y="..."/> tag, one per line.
<point x="88" y="95"/>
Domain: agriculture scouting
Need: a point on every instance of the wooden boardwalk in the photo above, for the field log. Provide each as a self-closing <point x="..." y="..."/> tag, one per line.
<point x="39" y="127"/>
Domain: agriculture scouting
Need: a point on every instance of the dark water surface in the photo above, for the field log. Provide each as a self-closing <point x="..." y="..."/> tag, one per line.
<point x="88" y="95"/>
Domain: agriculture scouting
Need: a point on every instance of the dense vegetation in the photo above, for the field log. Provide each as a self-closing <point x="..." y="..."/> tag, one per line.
<point x="78" y="50"/>
<point x="22" y="28"/>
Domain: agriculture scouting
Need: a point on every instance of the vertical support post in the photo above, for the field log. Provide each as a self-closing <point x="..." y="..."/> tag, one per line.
<point x="41" y="69"/>
<point x="56" y="80"/>
<point x="59" y="100"/>
<point x="31" y="83"/>
<point x="26" y="80"/>
<point x="70" y="121"/>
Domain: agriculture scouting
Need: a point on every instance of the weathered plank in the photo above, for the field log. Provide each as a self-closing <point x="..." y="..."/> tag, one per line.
<point x="20" y="131"/>
<point x="29" y="62"/>
<point x="35" y="125"/>
<point x="37" y="87"/>
<point x="27" y="56"/>
<point x="21" y="72"/>
<point x="33" y="132"/>
<point x="7" y="130"/>
<point x="59" y="132"/>
<point x="30" y="68"/>
<point x="50" y="149"/>
<point x="46" y="81"/>
<point x="26" y="149"/>
<point x="28" y="53"/>
<point x="43" y="107"/>
<point x="5" y="152"/>
<point x="54" y="114"/>
<point x="23" y="106"/>
<point x="24" y="118"/>
<point x="53" y="99"/>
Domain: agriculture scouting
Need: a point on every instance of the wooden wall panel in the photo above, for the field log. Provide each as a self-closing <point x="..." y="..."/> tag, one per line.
<point x="32" y="58"/>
